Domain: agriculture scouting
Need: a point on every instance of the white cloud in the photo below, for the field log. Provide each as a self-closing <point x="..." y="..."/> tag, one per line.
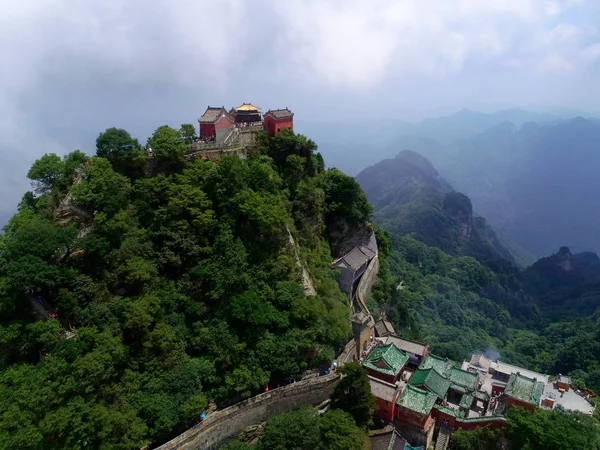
<point x="342" y="47"/>
<point x="357" y="44"/>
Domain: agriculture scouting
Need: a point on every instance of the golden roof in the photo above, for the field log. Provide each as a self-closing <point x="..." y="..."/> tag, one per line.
<point x="247" y="107"/>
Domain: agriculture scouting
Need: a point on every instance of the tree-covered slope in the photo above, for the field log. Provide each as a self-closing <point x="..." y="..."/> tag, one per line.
<point x="448" y="286"/>
<point x="410" y="197"/>
<point x="133" y="291"/>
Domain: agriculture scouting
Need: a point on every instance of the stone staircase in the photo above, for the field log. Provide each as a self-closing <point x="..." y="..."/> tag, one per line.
<point x="443" y="438"/>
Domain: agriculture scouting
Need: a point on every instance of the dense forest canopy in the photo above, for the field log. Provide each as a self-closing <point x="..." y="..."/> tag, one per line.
<point x="136" y="289"/>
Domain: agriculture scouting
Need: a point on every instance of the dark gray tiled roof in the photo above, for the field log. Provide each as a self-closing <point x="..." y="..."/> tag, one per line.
<point x="413" y="347"/>
<point x="382" y="390"/>
<point x="280" y="113"/>
<point x="386" y="439"/>
<point x="359" y="255"/>
<point x="384" y="328"/>
<point x="212" y="114"/>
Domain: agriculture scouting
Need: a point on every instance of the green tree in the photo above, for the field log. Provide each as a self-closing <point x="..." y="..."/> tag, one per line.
<point x="102" y="189"/>
<point x="188" y="133"/>
<point x="45" y="173"/>
<point x="169" y="147"/>
<point x="124" y="152"/>
<point x="295" y="430"/>
<point x="353" y="394"/>
<point x="340" y="432"/>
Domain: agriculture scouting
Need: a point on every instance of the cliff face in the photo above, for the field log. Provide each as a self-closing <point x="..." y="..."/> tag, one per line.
<point x="459" y="208"/>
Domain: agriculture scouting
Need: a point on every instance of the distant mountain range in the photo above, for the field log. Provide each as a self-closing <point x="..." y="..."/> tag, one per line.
<point x="538" y="184"/>
<point x="353" y="145"/>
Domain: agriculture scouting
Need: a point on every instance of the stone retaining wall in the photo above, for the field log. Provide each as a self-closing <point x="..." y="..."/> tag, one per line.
<point x="227" y="423"/>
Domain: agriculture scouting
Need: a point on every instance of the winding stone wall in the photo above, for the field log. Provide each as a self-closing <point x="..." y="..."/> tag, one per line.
<point x="227" y="423"/>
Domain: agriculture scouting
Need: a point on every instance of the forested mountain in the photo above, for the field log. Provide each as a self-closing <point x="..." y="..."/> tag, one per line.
<point x="537" y="184"/>
<point x="410" y="197"/>
<point x="456" y="291"/>
<point x="133" y="291"/>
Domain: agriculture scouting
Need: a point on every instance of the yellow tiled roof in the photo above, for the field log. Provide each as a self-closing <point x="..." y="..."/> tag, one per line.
<point x="247" y="107"/>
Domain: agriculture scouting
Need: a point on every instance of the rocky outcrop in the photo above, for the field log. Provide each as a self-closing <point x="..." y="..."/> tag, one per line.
<point x="458" y="206"/>
<point x="307" y="283"/>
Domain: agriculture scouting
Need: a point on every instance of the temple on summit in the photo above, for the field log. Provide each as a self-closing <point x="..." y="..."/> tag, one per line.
<point x="216" y="124"/>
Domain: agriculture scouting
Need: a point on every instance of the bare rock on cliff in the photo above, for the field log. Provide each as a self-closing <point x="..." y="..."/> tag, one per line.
<point x="252" y="433"/>
<point x="458" y="206"/>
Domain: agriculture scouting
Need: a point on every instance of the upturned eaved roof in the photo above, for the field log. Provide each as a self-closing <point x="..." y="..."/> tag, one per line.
<point x="525" y="389"/>
<point x="442" y="365"/>
<point x="384" y="328"/>
<point x="386" y="359"/>
<point x="212" y="114"/>
<point x="508" y="369"/>
<point x="247" y="107"/>
<point x="406" y="345"/>
<point x="466" y="401"/>
<point x="359" y="255"/>
<point x="432" y="380"/>
<point x="417" y="400"/>
<point x="463" y="378"/>
<point x="481" y="361"/>
<point x="386" y="439"/>
<point x="383" y="390"/>
<point x="279" y="113"/>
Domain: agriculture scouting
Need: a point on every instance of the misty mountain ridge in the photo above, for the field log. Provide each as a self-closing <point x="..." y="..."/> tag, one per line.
<point x="353" y="145"/>
<point x="410" y="197"/>
<point x="536" y="183"/>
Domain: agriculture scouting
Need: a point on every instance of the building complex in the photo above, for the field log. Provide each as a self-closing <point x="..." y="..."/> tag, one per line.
<point x="420" y="392"/>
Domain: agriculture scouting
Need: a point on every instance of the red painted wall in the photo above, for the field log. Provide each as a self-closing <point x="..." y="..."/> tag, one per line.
<point x="389" y="378"/>
<point x="210" y="129"/>
<point x="412" y="418"/>
<point x="497" y="390"/>
<point x="385" y="410"/>
<point x="511" y="401"/>
<point x="273" y="126"/>
<point x="223" y="122"/>
<point x="564" y="386"/>
<point x="207" y="130"/>
<point x="425" y="354"/>
<point x="441" y="418"/>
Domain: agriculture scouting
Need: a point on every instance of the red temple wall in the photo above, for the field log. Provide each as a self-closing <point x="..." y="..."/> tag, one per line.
<point x="273" y="126"/>
<point x="223" y="123"/>
<point x="412" y="418"/>
<point x="511" y="401"/>
<point x="207" y="129"/>
<point x="389" y="378"/>
<point x="385" y="409"/>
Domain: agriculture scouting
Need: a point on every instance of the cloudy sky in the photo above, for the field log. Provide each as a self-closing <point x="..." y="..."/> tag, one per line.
<point x="72" y="68"/>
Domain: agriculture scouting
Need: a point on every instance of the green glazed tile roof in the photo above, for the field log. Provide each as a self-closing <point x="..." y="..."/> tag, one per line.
<point x="442" y="365"/>
<point x="386" y="359"/>
<point x="524" y="389"/>
<point x="450" y="411"/>
<point x="417" y="400"/>
<point x="432" y="380"/>
<point x="463" y="378"/>
<point x="466" y="401"/>
<point x="483" y="396"/>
